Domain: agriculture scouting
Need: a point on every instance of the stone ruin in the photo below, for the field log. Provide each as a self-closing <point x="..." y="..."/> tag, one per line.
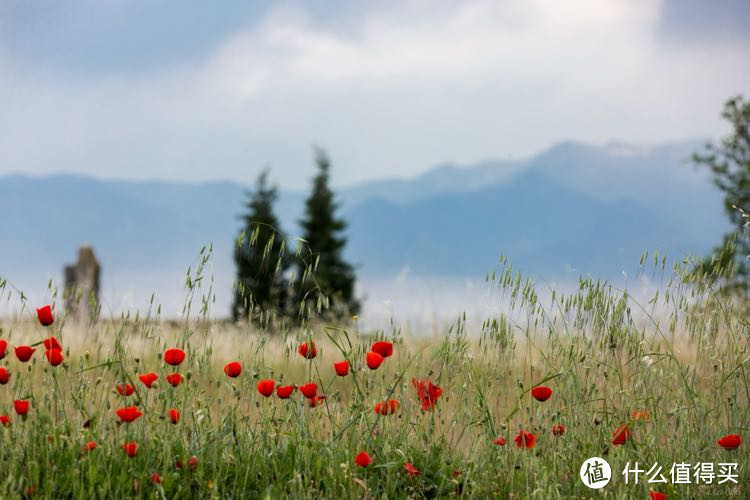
<point x="82" y="287"/>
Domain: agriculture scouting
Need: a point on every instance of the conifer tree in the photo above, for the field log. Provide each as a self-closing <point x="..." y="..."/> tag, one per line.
<point x="260" y="288"/>
<point x="730" y="165"/>
<point x="322" y="268"/>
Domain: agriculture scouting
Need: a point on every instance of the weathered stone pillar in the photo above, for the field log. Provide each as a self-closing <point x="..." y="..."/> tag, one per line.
<point x="82" y="287"/>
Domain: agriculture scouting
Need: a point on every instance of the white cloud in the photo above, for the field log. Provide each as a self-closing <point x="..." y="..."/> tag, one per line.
<point x="403" y="88"/>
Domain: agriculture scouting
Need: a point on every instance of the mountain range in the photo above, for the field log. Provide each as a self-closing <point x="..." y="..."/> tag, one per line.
<point x="572" y="209"/>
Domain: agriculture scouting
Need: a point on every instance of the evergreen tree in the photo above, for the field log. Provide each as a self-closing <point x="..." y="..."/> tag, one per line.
<point x="323" y="271"/>
<point x="260" y="259"/>
<point x="730" y="165"/>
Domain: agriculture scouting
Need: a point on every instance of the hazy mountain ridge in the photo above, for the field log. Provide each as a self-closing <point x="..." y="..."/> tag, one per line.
<point x="573" y="208"/>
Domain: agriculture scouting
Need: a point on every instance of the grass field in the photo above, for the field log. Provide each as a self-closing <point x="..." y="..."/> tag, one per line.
<point x="674" y="370"/>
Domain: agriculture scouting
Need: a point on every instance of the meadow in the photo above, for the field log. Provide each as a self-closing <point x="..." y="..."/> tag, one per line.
<point x="654" y="382"/>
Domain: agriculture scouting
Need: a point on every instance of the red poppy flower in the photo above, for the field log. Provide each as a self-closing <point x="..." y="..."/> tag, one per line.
<point x="128" y="414"/>
<point x="54" y="356"/>
<point x="21" y="406"/>
<point x="4" y="375"/>
<point x="174" y="356"/>
<point x="525" y="440"/>
<point x="730" y="442"/>
<point x="427" y="392"/>
<point x="193" y="462"/>
<point x="3" y="348"/>
<point x="174" y="379"/>
<point x="309" y="390"/>
<point x="342" y="368"/>
<point x="5" y="420"/>
<point x="232" y="369"/>
<point x="174" y="415"/>
<point x="316" y="400"/>
<point x="148" y="379"/>
<point x="265" y="387"/>
<point x="44" y="314"/>
<point x="411" y="470"/>
<point x="558" y="430"/>
<point x="374" y="360"/>
<point x="51" y="343"/>
<point x="362" y="459"/>
<point x="621" y="435"/>
<point x="655" y="495"/>
<point x="307" y="351"/>
<point x="130" y="449"/>
<point x="89" y="446"/>
<point x="124" y="389"/>
<point x="639" y="414"/>
<point x="385" y="349"/>
<point x="178" y="464"/>
<point x="284" y="391"/>
<point x="155" y="478"/>
<point x="499" y="441"/>
<point x="541" y="393"/>
<point x="386" y="407"/>
<point x="24" y="352"/>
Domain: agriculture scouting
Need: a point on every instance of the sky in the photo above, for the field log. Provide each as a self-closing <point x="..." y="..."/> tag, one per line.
<point x="193" y="91"/>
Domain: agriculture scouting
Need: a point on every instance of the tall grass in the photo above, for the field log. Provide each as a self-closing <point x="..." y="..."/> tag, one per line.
<point x="682" y="357"/>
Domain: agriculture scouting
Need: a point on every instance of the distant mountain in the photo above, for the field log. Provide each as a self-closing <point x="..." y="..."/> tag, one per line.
<point x="572" y="209"/>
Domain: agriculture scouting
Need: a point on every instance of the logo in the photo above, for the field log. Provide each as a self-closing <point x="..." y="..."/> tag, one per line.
<point x="595" y="473"/>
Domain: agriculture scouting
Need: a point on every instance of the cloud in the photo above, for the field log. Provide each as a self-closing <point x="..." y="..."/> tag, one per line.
<point x="403" y="87"/>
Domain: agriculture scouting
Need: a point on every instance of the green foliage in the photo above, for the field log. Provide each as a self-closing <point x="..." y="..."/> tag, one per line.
<point x="260" y="288"/>
<point x="325" y="275"/>
<point x="730" y="164"/>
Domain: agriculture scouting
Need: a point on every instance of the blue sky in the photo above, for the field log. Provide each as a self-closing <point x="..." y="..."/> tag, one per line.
<point x="217" y="90"/>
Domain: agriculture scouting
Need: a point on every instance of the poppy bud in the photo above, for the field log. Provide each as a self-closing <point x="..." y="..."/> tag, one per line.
<point x="174" y="356"/>
<point x="4" y="375"/>
<point x="342" y="368"/>
<point x="44" y="315"/>
<point x="373" y="360"/>
<point x="232" y="369"/>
